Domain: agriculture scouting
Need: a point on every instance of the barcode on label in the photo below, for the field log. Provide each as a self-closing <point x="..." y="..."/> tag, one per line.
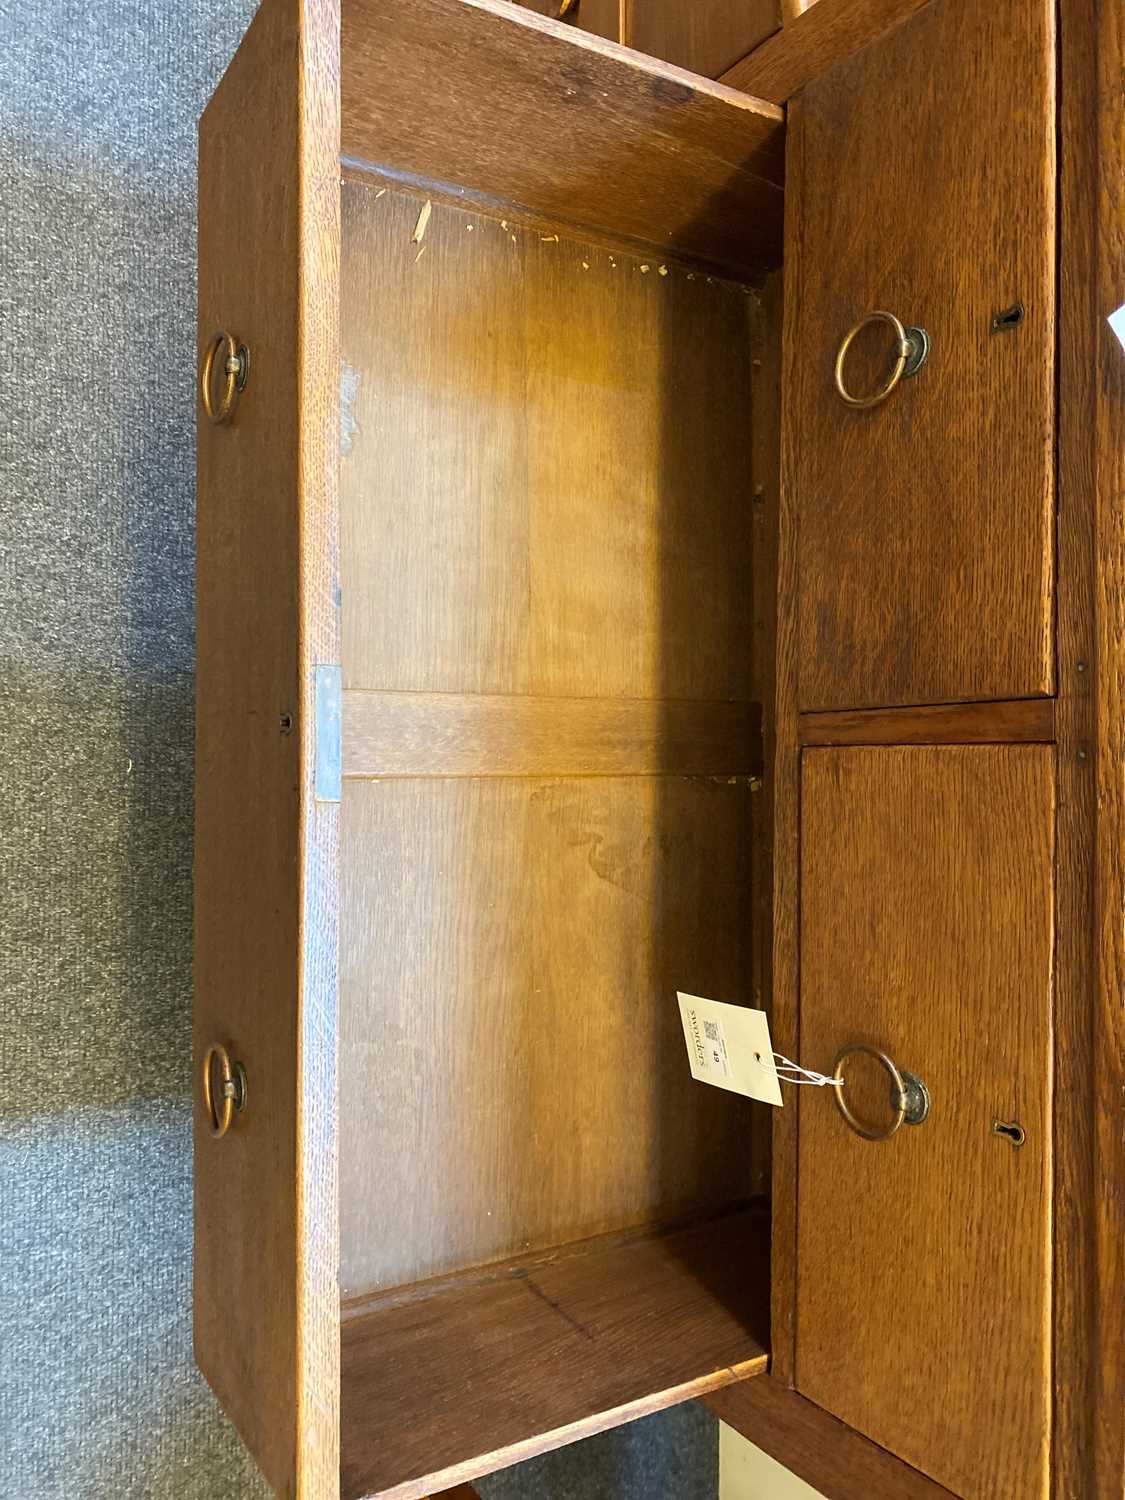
<point x="717" y="1059"/>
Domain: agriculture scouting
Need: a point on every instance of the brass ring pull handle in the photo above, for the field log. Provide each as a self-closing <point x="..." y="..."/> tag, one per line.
<point x="219" y="1106"/>
<point x="910" y="1097"/>
<point x="911" y="349"/>
<point x="236" y="369"/>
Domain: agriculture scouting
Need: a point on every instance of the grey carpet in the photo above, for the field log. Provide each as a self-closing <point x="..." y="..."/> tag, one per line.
<point x="98" y="1392"/>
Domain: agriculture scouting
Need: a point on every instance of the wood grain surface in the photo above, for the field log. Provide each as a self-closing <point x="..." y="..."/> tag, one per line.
<point x="924" y="1262"/>
<point x="465" y="734"/>
<point x="546" y="498"/>
<point x="266" y="1304"/>
<point x="765" y="459"/>
<point x="1023" y="720"/>
<point x="547" y="485"/>
<point x="813" y="42"/>
<point x="542" y="1354"/>
<point x="496" y="99"/>
<point x="1089" y="1327"/>
<point x="601" y="17"/>
<point x="706" y="36"/>
<point x="517" y="944"/>
<point x="838" y="1462"/>
<point x="926" y="524"/>
<point x="786" y="800"/>
<point x="1109" y="889"/>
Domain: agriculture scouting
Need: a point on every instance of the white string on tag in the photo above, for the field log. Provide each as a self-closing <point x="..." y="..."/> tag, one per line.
<point x="790" y="1072"/>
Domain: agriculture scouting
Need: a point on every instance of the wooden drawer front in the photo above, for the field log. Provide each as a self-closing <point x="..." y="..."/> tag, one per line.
<point x="925" y="173"/>
<point x="923" y="1266"/>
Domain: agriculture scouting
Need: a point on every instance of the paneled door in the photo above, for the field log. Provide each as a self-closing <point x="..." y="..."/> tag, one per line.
<point x="923" y="1263"/>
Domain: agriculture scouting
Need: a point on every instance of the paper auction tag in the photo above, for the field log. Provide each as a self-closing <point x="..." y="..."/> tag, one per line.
<point x="729" y="1046"/>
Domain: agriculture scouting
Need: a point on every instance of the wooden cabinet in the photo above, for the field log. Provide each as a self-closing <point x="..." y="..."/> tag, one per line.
<point x="523" y="480"/>
<point x="927" y="933"/>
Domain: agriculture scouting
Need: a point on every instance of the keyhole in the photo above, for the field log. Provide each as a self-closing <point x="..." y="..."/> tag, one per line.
<point x="1011" y="317"/>
<point x="1013" y="1132"/>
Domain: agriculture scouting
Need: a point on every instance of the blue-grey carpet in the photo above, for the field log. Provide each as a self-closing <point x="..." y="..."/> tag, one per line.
<point x="98" y="1392"/>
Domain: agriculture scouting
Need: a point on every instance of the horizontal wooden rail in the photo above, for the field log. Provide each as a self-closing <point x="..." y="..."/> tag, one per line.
<point x="822" y="1450"/>
<point x="807" y="46"/>
<point x="453" y="734"/>
<point x="1014" y="721"/>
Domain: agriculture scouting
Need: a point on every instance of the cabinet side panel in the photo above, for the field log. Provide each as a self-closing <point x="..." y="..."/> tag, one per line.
<point x="1089" y="1376"/>
<point x="265" y="1275"/>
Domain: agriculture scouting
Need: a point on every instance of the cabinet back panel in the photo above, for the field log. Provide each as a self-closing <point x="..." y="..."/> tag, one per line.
<point x="546" y="469"/>
<point x="545" y="499"/>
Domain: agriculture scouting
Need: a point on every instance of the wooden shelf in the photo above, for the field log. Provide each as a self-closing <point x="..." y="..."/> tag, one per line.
<point x="482" y="99"/>
<point x="527" y="1356"/>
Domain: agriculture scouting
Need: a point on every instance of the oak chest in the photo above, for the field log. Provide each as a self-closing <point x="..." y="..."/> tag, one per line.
<point x="659" y="534"/>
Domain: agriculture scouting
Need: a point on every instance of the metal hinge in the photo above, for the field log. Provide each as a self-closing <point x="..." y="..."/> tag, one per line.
<point x="329" y="764"/>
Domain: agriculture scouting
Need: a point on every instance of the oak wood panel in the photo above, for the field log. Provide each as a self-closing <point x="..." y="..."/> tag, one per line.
<point x="1075" y="1279"/>
<point x="503" y="101"/>
<point x="546" y="483"/>
<point x="1109" y="887"/>
<point x="926" y="524"/>
<point x="706" y="36"/>
<point x="520" y="217"/>
<point x="1026" y="720"/>
<point x="765" y="458"/>
<point x="530" y="1360"/>
<point x="455" y="734"/>
<point x="515" y="946"/>
<point x="266" y="1301"/>
<point x="459" y="1492"/>
<point x="601" y="17"/>
<point x="786" y="800"/>
<point x="812" y="43"/>
<point x="1090" y="1159"/>
<point x="927" y="931"/>
<point x="838" y="1462"/>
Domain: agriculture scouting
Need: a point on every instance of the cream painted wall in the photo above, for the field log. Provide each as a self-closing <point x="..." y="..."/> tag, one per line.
<point x="746" y="1473"/>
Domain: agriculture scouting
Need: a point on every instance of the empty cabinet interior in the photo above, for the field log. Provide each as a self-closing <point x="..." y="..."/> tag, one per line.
<point x="499" y="457"/>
